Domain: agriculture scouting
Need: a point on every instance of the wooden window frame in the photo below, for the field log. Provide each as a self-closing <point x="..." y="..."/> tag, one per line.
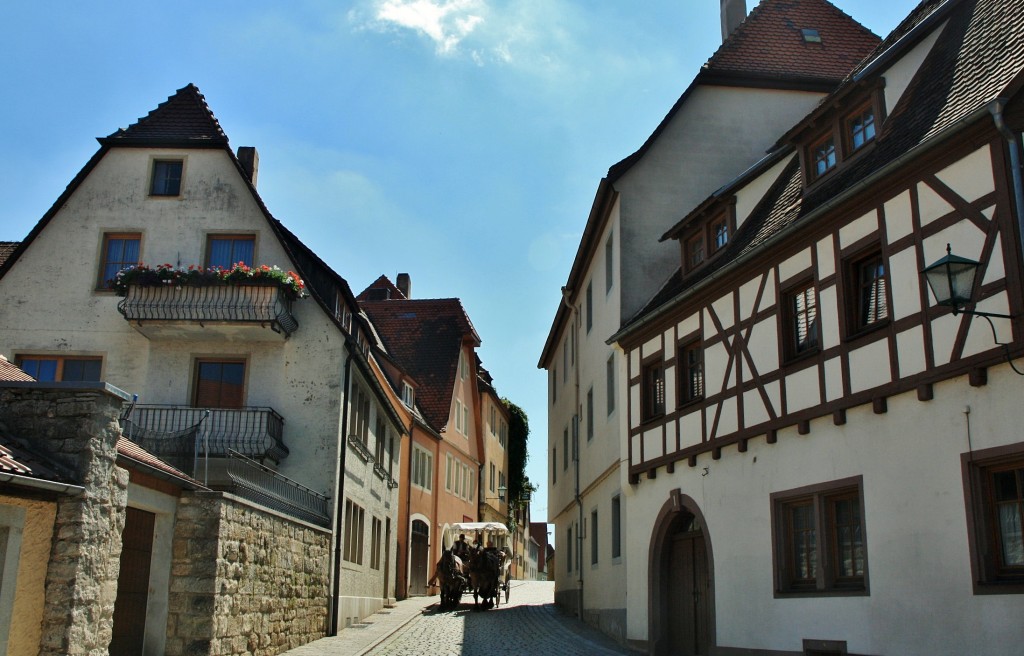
<point x="105" y="260"/>
<point x="990" y="576"/>
<point x="157" y="161"/>
<point x="719" y="220"/>
<point x="241" y="236"/>
<point x="695" y="240"/>
<point x="849" y="149"/>
<point x="652" y="389"/>
<point x="856" y="319"/>
<point x="197" y="365"/>
<point x="616" y="514"/>
<point x="791" y="321"/>
<point x="594" y="545"/>
<point x="822" y="499"/>
<point x="684" y="394"/>
<point x="812" y="160"/>
<point x="61" y="361"/>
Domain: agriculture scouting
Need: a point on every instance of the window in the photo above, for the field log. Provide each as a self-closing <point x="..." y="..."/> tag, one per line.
<point x="861" y="128"/>
<point x="219" y="384"/>
<point x="568" y="549"/>
<point x="458" y="416"/>
<point x="376" y="531"/>
<point x="565" y="449"/>
<point x="554" y="465"/>
<point x="422" y="468"/>
<point x="554" y="385"/>
<point x="494" y="420"/>
<point x="463" y="366"/>
<point x="694" y="252"/>
<point x="590" y="414"/>
<point x="359" y="424"/>
<point x="609" y="264"/>
<point x="802" y="320"/>
<point x="610" y="377"/>
<point x="503" y="434"/>
<point x="995" y="501"/>
<point x="120" y="250"/>
<point x="493" y="478"/>
<point x="590" y="305"/>
<point x="719" y="230"/>
<point x="869" y="292"/>
<point x="465" y="420"/>
<point x="225" y="251"/>
<point x="565" y="361"/>
<point x="823" y="156"/>
<point x="616" y="526"/>
<point x="56" y="368"/>
<point x="819" y="534"/>
<point x="166" y="177"/>
<point x="354" y="519"/>
<point x="408" y="395"/>
<point x="379" y="440"/>
<point x="691" y="372"/>
<point x="593" y="537"/>
<point x="652" y="390"/>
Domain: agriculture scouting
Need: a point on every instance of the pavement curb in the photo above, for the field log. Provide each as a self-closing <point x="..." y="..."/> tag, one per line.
<point x="376" y="643"/>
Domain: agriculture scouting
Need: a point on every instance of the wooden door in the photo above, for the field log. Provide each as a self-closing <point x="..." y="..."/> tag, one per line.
<point x="133" y="584"/>
<point x="688" y="618"/>
<point x="419" y="546"/>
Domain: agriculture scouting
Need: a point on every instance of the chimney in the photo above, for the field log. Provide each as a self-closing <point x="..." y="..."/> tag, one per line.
<point x="733" y="13"/>
<point x="404" y="284"/>
<point x="250" y="160"/>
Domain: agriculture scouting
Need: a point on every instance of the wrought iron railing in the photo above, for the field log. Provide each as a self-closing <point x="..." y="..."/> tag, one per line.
<point x="262" y="485"/>
<point x="183" y="435"/>
<point x="248" y="303"/>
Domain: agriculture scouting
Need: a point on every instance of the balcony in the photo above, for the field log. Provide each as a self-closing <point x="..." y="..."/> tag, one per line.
<point x="249" y="312"/>
<point x="196" y="440"/>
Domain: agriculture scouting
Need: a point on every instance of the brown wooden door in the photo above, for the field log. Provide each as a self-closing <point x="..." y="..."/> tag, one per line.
<point x="420" y="548"/>
<point x="688" y="612"/>
<point x="133" y="583"/>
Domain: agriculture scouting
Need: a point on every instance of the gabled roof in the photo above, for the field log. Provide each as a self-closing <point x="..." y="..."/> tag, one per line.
<point x="977" y="60"/>
<point x="183" y="117"/>
<point x="425" y="337"/>
<point x="381" y="289"/>
<point x="770" y="43"/>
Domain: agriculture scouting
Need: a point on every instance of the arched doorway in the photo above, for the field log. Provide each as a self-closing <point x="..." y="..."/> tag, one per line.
<point x="681" y="581"/>
<point x="419" y="553"/>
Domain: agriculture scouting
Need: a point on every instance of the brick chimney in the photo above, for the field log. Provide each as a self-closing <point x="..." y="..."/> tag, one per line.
<point x="404" y="284"/>
<point x="733" y="13"/>
<point x="250" y="160"/>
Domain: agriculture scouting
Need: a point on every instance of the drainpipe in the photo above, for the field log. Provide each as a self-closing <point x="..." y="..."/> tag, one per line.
<point x="574" y="323"/>
<point x="336" y="592"/>
<point x="408" y="509"/>
<point x="1013" y="142"/>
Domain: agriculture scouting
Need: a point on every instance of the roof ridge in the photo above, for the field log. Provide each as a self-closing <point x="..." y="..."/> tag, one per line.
<point x="184" y="116"/>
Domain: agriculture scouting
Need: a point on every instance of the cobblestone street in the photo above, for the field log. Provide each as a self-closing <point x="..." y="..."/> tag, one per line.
<point x="528" y="624"/>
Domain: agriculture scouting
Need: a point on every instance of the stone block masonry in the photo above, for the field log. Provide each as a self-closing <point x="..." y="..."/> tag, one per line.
<point x="79" y="427"/>
<point x="244" y="580"/>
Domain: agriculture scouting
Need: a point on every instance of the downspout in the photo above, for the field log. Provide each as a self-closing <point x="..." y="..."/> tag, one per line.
<point x="408" y="510"/>
<point x="574" y="314"/>
<point x="336" y="584"/>
<point x="1012" y="141"/>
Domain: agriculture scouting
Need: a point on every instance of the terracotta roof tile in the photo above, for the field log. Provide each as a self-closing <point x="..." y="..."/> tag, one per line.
<point x="11" y="371"/>
<point x="133" y="451"/>
<point x="770" y="42"/>
<point x="424" y="337"/>
<point x="377" y="288"/>
<point x="185" y="116"/>
<point x="18" y="457"/>
<point x="6" y="248"/>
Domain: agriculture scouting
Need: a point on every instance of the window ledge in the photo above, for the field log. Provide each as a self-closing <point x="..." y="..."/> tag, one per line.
<point x="832" y="592"/>
<point x="867" y="330"/>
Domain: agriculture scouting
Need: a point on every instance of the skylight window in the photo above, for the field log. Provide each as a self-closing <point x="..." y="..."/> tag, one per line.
<point x="811" y="36"/>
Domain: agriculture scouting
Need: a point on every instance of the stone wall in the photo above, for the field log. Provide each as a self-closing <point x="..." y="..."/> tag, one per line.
<point x="77" y="425"/>
<point x="244" y="580"/>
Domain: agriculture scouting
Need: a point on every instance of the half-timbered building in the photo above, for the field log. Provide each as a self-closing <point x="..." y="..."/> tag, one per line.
<point x="822" y="457"/>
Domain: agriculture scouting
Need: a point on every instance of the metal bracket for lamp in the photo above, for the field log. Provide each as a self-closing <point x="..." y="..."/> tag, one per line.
<point x="951" y="280"/>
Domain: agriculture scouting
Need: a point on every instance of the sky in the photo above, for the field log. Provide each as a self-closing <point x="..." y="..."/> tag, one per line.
<point x="460" y="141"/>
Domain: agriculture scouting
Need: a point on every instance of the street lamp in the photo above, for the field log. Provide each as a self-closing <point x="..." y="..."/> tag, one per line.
<point x="951" y="280"/>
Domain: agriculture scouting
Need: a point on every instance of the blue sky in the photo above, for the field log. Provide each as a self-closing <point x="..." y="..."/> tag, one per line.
<point x="460" y="141"/>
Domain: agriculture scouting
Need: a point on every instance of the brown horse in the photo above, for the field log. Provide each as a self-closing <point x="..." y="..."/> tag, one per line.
<point x="484" y="572"/>
<point x="451" y="577"/>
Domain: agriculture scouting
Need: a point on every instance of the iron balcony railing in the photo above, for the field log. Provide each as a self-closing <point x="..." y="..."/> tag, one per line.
<point x="249" y="303"/>
<point x="260" y="484"/>
<point x="183" y="436"/>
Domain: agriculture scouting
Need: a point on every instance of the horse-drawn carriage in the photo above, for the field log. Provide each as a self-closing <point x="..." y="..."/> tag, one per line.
<point x="480" y="564"/>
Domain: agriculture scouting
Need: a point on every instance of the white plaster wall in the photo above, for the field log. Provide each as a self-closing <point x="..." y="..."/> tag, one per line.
<point x="916" y="529"/>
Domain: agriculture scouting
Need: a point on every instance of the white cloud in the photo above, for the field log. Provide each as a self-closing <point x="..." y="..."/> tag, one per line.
<point x="445" y="22"/>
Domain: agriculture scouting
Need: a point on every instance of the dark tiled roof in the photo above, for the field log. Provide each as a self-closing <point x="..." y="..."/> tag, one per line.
<point x="979" y="57"/>
<point x="185" y="116"/>
<point x="382" y="283"/>
<point x="424" y="337"/>
<point x="18" y="457"/>
<point x="6" y="248"/>
<point x="770" y="42"/>
<point x="10" y="371"/>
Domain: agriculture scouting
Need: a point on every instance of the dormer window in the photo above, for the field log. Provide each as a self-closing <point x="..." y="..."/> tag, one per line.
<point x="861" y="128"/>
<point x="719" y="233"/>
<point x="408" y="395"/>
<point x="823" y="154"/>
<point x="705" y="236"/>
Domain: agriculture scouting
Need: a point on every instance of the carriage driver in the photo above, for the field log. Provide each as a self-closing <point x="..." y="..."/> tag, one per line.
<point x="461" y="547"/>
